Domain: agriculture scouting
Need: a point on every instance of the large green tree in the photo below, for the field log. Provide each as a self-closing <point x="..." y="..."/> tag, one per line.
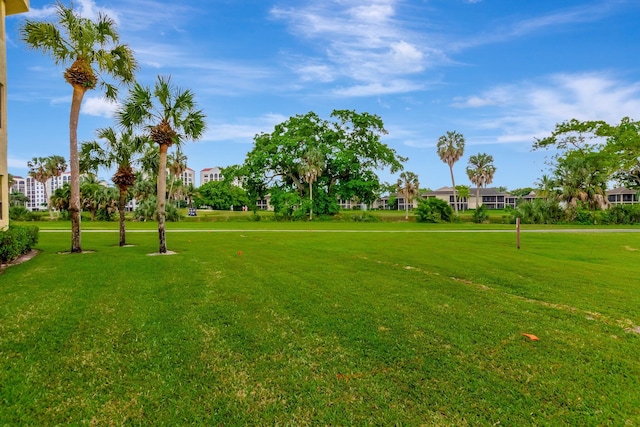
<point x="221" y="195"/>
<point x="121" y="150"/>
<point x="348" y="147"/>
<point x="480" y="171"/>
<point x="170" y="116"/>
<point x="90" y="50"/>
<point x="589" y="154"/>
<point x="450" y="149"/>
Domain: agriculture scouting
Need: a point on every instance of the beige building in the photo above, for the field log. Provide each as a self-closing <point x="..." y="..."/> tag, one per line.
<point x="210" y="174"/>
<point x="7" y="7"/>
<point x="188" y="177"/>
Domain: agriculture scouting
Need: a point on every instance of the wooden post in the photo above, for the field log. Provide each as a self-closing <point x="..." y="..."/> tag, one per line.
<point x="518" y="232"/>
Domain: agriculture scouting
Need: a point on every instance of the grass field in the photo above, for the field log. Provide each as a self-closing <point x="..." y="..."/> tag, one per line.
<point x="314" y="327"/>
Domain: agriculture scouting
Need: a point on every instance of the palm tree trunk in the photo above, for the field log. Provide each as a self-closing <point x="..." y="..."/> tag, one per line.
<point x="406" y="206"/>
<point x="311" y="199"/>
<point x="122" y="201"/>
<point x="477" y="196"/>
<point x="74" y="201"/>
<point x="455" y="197"/>
<point x="162" y="195"/>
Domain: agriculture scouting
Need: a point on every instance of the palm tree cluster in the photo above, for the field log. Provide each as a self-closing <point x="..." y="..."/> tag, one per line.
<point x="91" y="52"/>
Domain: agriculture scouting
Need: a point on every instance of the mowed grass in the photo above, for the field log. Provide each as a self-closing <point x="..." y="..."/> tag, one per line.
<point x="324" y="328"/>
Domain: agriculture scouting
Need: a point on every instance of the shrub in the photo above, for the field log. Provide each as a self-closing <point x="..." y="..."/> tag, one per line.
<point x="621" y="214"/>
<point x="434" y="210"/>
<point x="480" y="215"/>
<point x="539" y="211"/>
<point x="20" y="213"/>
<point x="17" y="240"/>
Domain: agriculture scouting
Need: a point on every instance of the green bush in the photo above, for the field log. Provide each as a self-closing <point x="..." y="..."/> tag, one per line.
<point x="20" y="213"/>
<point x="539" y="211"/>
<point x="17" y="240"/>
<point x="621" y="214"/>
<point x="434" y="210"/>
<point x="480" y="215"/>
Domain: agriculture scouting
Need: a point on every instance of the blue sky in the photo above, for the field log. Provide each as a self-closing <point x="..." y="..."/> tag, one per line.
<point x="501" y="72"/>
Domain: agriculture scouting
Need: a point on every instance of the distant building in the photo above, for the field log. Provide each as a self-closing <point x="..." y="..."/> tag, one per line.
<point x="210" y="174"/>
<point x="8" y="7"/>
<point x="34" y="190"/>
<point x="188" y="177"/>
<point x="622" y="196"/>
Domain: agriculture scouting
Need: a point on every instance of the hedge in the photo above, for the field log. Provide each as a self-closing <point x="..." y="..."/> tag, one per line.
<point x="17" y="240"/>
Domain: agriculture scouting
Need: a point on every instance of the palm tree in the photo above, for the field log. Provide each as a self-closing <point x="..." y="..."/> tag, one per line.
<point x="81" y="44"/>
<point x="408" y="185"/>
<point x="480" y="172"/>
<point x="91" y="194"/>
<point x="170" y="116"/>
<point x="463" y="193"/>
<point x="122" y="151"/>
<point x="546" y="188"/>
<point x="191" y="192"/>
<point x="450" y="149"/>
<point x="310" y="169"/>
<point x="44" y="168"/>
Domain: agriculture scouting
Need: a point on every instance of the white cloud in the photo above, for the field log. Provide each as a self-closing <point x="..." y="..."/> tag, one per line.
<point x="360" y="40"/>
<point x="391" y="87"/>
<point x="521" y="112"/>
<point x="243" y="131"/>
<point x="98" y="106"/>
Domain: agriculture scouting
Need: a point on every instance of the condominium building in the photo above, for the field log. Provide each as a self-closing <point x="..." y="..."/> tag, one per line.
<point x="188" y="177"/>
<point x="210" y="174"/>
<point x="35" y="191"/>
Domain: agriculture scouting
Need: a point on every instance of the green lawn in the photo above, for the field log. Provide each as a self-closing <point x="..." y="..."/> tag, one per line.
<point x="312" y="327"/>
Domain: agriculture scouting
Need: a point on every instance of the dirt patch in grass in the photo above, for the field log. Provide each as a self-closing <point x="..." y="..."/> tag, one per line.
<point x="22" y="258"/>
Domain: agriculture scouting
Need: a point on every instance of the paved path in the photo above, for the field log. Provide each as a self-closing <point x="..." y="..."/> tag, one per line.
<point x="558" y="230"/>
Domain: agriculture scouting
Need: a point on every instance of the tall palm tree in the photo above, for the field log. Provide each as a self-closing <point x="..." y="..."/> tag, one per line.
<point x="408" y="185"/>
<point x="450" y="149"/>
<point x="310" y="169"/>
<point x="170" y="116"/>
<point x="121" y="150"/>
<point x="88" y="49"/>
<point x="44" y="168"/>
<point x="480" y="171"/>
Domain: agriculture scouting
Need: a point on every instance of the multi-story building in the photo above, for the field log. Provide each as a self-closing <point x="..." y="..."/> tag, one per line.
<point x="19" y="185"/>
<point x="210" y="174"/>
<point x="188" y="177"/>
<point x="7" y="7"/>
<point x="35" y="191"/>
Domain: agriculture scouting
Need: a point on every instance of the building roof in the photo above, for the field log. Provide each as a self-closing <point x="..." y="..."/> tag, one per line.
<point x="622" y="190"/>
<point x="491" y="191"/>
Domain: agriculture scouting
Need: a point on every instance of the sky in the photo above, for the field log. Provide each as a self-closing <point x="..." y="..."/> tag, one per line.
<point x="500" y="72"/>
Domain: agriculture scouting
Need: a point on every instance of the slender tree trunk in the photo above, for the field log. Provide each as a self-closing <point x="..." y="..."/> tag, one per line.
<point x="74" y="201"/>
<point x="162" y="196"/>
<point x="455" y="197"/>
<point x="46" y="199"/>
<point x="406" y="206"/>
<point x="311" y="199"/>
<point x="122" y="201"/>
<point x="477" y="196"/>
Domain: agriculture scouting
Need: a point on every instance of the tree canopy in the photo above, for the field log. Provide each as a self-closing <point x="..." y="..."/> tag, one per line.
<point x="589" y="155"/>
<point x="348" y="153"/>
